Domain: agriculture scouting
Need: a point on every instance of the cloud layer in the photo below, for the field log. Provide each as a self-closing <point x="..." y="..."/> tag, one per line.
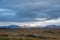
<point x="33" y="24"/>
<point x="29" y="10"/>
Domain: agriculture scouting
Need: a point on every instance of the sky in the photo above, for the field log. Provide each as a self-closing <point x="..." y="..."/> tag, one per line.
<point x="29" y="12"/>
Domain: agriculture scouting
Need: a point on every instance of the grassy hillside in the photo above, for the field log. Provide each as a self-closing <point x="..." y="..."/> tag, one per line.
<point x="30" y="34"/>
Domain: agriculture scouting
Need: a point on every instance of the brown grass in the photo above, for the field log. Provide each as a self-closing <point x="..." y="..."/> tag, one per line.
<point x="45" y="34"/>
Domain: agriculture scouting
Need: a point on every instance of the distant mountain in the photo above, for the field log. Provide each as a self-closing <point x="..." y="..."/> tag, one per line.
<point x="51" y="26"/>
<point x="11" y="26"/>
<point x="16" y="26"/>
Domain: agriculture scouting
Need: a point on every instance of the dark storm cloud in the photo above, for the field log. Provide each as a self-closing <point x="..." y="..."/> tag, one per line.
<point x="28" y="10"/>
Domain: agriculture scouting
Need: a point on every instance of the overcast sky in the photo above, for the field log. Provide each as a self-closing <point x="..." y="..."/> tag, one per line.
<point x="33" y="12"/>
